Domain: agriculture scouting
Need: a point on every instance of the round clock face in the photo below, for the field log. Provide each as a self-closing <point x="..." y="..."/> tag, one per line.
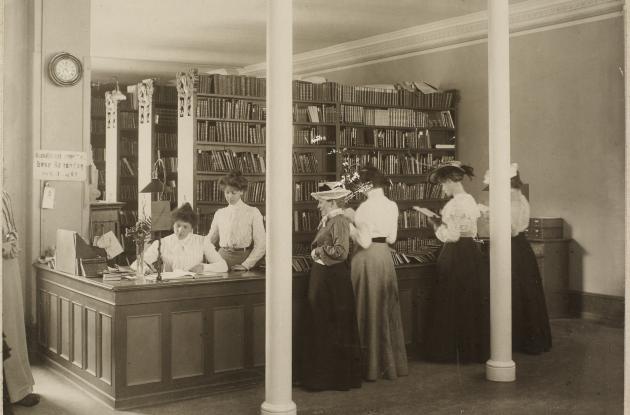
<point x="65" y="69"/>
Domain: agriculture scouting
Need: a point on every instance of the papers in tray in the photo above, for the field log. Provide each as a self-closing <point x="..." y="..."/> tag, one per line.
<point x="426" y="212"/>
<point x="178" y="275"/>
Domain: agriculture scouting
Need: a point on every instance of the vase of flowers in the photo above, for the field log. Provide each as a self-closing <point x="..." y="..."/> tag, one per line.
<point x="140" y="233"/>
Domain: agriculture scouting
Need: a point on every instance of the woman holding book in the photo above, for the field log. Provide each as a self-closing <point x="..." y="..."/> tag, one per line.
<point x="331" y="354"/>
<point x="530" y="322"/>
<point x="375" y="284"/>
<point x="238" y="229"/>
<point x="184" y="250"/>
<point x="458" y="317"/>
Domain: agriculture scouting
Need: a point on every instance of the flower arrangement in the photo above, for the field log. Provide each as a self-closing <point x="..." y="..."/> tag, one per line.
<point x="140" y="232"/>
<point x="350" y="177"/>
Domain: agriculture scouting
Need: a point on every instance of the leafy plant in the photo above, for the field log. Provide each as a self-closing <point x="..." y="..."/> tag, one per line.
<point x="140" y="232"/>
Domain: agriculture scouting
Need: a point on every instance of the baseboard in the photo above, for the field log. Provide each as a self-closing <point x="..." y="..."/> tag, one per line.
<point x="605" y="309"/>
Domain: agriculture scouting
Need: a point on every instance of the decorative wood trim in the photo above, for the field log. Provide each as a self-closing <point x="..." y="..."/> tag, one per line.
<point x="145" y="100"/>
<point x="606" y="309"/>
<point x="111" y="110"/>
<point x="525" y="16"/>
<point x="185" y="88"/>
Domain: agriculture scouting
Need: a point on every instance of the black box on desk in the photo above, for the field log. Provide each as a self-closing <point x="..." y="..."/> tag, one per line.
<point x="545" y="228"/>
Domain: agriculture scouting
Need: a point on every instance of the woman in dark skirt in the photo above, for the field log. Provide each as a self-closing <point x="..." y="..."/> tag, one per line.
<point x="375" y="283"/>
<point x="458" y="327"/>
<point x="331" y="355"/>
<point x="531" y="332"/>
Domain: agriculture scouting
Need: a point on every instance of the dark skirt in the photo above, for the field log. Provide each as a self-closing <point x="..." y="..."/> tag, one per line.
<point x="331" y="354"/>
<point x="459" y="319"/>
<point x="378" y="313"/>
<point x="530" y="322"/>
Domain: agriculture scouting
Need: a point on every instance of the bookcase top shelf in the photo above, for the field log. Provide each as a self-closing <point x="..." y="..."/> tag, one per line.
<point x="230" y="120"/>
<point x="406" y="149"/>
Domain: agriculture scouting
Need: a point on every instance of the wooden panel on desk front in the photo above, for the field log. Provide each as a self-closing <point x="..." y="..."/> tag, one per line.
<point x="90" y="335"/>
<point x="187" y="344"/>
<point x="53" y="323"/>
<point x="77" y="335"/>
<point x="144" y="349"/>
<point x="65" y="329"/>
<point x="259" y="334"/>
<point x="229" y="330"/>
<point x="106" y="349"/>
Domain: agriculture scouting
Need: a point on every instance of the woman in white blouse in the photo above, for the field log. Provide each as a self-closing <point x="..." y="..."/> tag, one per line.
<point x="238" y="229"/>
<point x="458" y="318"/>
<point x="184" y="250"/>
<point x="375" y="284"/>
<point x="531" y="332"/>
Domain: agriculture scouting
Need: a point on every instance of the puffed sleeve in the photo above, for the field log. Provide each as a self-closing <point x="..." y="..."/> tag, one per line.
<point x="340" y="241"/>
<point x="362" y="236"/>
<point x="393" y="223"/>
<point x="216" y="262"/>
<point x="452" y="215"/>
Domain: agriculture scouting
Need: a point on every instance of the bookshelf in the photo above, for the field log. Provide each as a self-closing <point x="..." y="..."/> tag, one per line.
<point x="221" y="125"/>
<point x="97" y="133"/>
<point x="157" y="137"/>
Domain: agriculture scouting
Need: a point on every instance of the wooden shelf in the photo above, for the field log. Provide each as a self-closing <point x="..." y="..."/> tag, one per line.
<point x="223" y="173"/>
<point x="231" y="120"/>
<point x="397" y="106"/>
<point x="325" y="124"/>
<point x="407" y="150"/>
<point x="241" y="97"/>
<point x="227" y="144"/>
<point x="395" y="127"/>
<point x="314" y="146"/>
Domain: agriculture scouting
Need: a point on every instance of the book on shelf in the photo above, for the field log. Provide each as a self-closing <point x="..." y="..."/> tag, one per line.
<point x="127" y="168"/>
<point x="445" y="146"/>
<point x="301" y="263"/>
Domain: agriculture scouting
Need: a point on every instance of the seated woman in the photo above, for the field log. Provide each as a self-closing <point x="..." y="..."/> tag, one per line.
<point x="238" y="228"/>
<point x="184" y="250"/>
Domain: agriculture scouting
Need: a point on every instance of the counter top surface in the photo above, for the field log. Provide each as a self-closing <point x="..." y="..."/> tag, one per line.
<point x="222" y="278"/>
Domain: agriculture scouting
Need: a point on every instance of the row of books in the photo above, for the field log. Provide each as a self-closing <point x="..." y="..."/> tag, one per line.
<point x="97" y="105"/>
<point x="409" y="164"/>
<point x="416" y="191"/>
<point x="211" y="191"/>
<point x="165" y="95"/>
<point x="170" y="163"/>
<point x="98" y="154"/>
<point x="395" y="117"/>
<point x="441" y="119"/>
<point x="128" y="217"/>
<point x="205" y="220"/>
<point x="129" y="146"/>
<point x="411" y="219"/>
<point x="306" y="220"/>
<point x="128" y="120"/>
<point x="230" y="108"/>
<point x="128" y="192"/>
<point x="226" y="160"/>
<point x="318" y="135"/>
<point x="415" y="244"/>
<point x="424" y="256"/>
<point x="166" y="140"/>
<point x="315" y="113"/>
<point x="301" y="263"/>
<point x="231" y="85"/>
<point x="101" y="179"/>
<point x="326" y="91"/>
<point x="97" y="126"/>
<point x="305" y="163"/>
<point x="128" y="167"/>
<point x="165" y="117"/>
<point x="169" y="196"/>
<point x="302" y="190"/>
<point x="230" y="132"/>
<point x="378" y="137"/>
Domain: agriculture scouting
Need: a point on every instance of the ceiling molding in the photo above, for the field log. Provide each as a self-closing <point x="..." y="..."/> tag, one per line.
<point x="524" y="16"/>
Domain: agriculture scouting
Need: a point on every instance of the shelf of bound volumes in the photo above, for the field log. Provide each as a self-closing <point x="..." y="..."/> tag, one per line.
<point x="403" y="132"/>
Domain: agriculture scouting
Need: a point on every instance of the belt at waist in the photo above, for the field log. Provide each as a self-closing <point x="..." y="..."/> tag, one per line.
<point x="380" y="239"/>
<point x="234" y="249"/>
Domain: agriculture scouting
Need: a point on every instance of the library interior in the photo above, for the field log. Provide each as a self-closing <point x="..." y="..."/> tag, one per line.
<point x="314" y="206"/>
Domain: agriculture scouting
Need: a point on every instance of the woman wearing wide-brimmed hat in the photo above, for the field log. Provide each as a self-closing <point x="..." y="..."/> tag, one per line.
<point x="331" y="355"/>
<point x="531" y="332"/>
<point x="375" y="283"/>
<point x="458" y="320"/>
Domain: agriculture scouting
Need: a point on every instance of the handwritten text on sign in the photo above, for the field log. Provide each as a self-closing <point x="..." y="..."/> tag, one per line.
<point x="59" y="165"/>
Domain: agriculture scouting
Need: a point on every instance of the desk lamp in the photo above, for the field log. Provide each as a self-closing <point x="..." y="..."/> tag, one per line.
<point x="160" y="210"/>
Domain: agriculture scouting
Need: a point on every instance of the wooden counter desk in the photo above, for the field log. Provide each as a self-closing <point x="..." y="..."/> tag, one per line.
<point x="132" y="344"/>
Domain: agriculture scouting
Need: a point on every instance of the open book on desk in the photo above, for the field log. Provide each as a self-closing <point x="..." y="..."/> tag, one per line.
<point x="178" y="274"/>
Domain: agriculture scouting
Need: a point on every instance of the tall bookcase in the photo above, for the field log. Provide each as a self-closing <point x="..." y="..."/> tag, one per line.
<point x="221" y="122"/>
<point x="157" y="137"/>
<point x="97" y="133"/>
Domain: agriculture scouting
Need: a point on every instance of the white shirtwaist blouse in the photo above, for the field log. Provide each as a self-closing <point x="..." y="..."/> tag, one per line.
<point x="459" y="218"/>
<point x="376" y="217"/>
<point x="186" y="253"/>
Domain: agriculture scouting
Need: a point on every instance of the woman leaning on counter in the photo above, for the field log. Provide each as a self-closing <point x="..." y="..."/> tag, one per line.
<point x="238" y="229"/>
<point x="184" y="250"/>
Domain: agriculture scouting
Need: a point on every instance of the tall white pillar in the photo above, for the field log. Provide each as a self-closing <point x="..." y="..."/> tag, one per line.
<point x="500" y="367"/>
<point x="111" y="147"/>
<point x="145" y="144"/>
<point x="278" y="341"/>
<point x="626" y="19"/>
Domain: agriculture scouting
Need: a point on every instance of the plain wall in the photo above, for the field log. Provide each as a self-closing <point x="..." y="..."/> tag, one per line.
<point x="567" y="129"/>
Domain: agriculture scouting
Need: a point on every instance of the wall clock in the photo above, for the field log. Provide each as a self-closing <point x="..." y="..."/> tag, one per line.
<point x="65" y="69"/>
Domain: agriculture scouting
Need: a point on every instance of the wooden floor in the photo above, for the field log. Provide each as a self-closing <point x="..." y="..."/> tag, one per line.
<point x="583" y="374"/>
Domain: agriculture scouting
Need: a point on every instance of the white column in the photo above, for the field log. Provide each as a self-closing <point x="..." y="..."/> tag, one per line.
<point x="626" y="26"/>
<point x="111" y="148"/>
<point x="186" y="138"/>
<point x="145" y="142"/>
<point x="278" y="340"/>
<point x="500" y="367"/>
